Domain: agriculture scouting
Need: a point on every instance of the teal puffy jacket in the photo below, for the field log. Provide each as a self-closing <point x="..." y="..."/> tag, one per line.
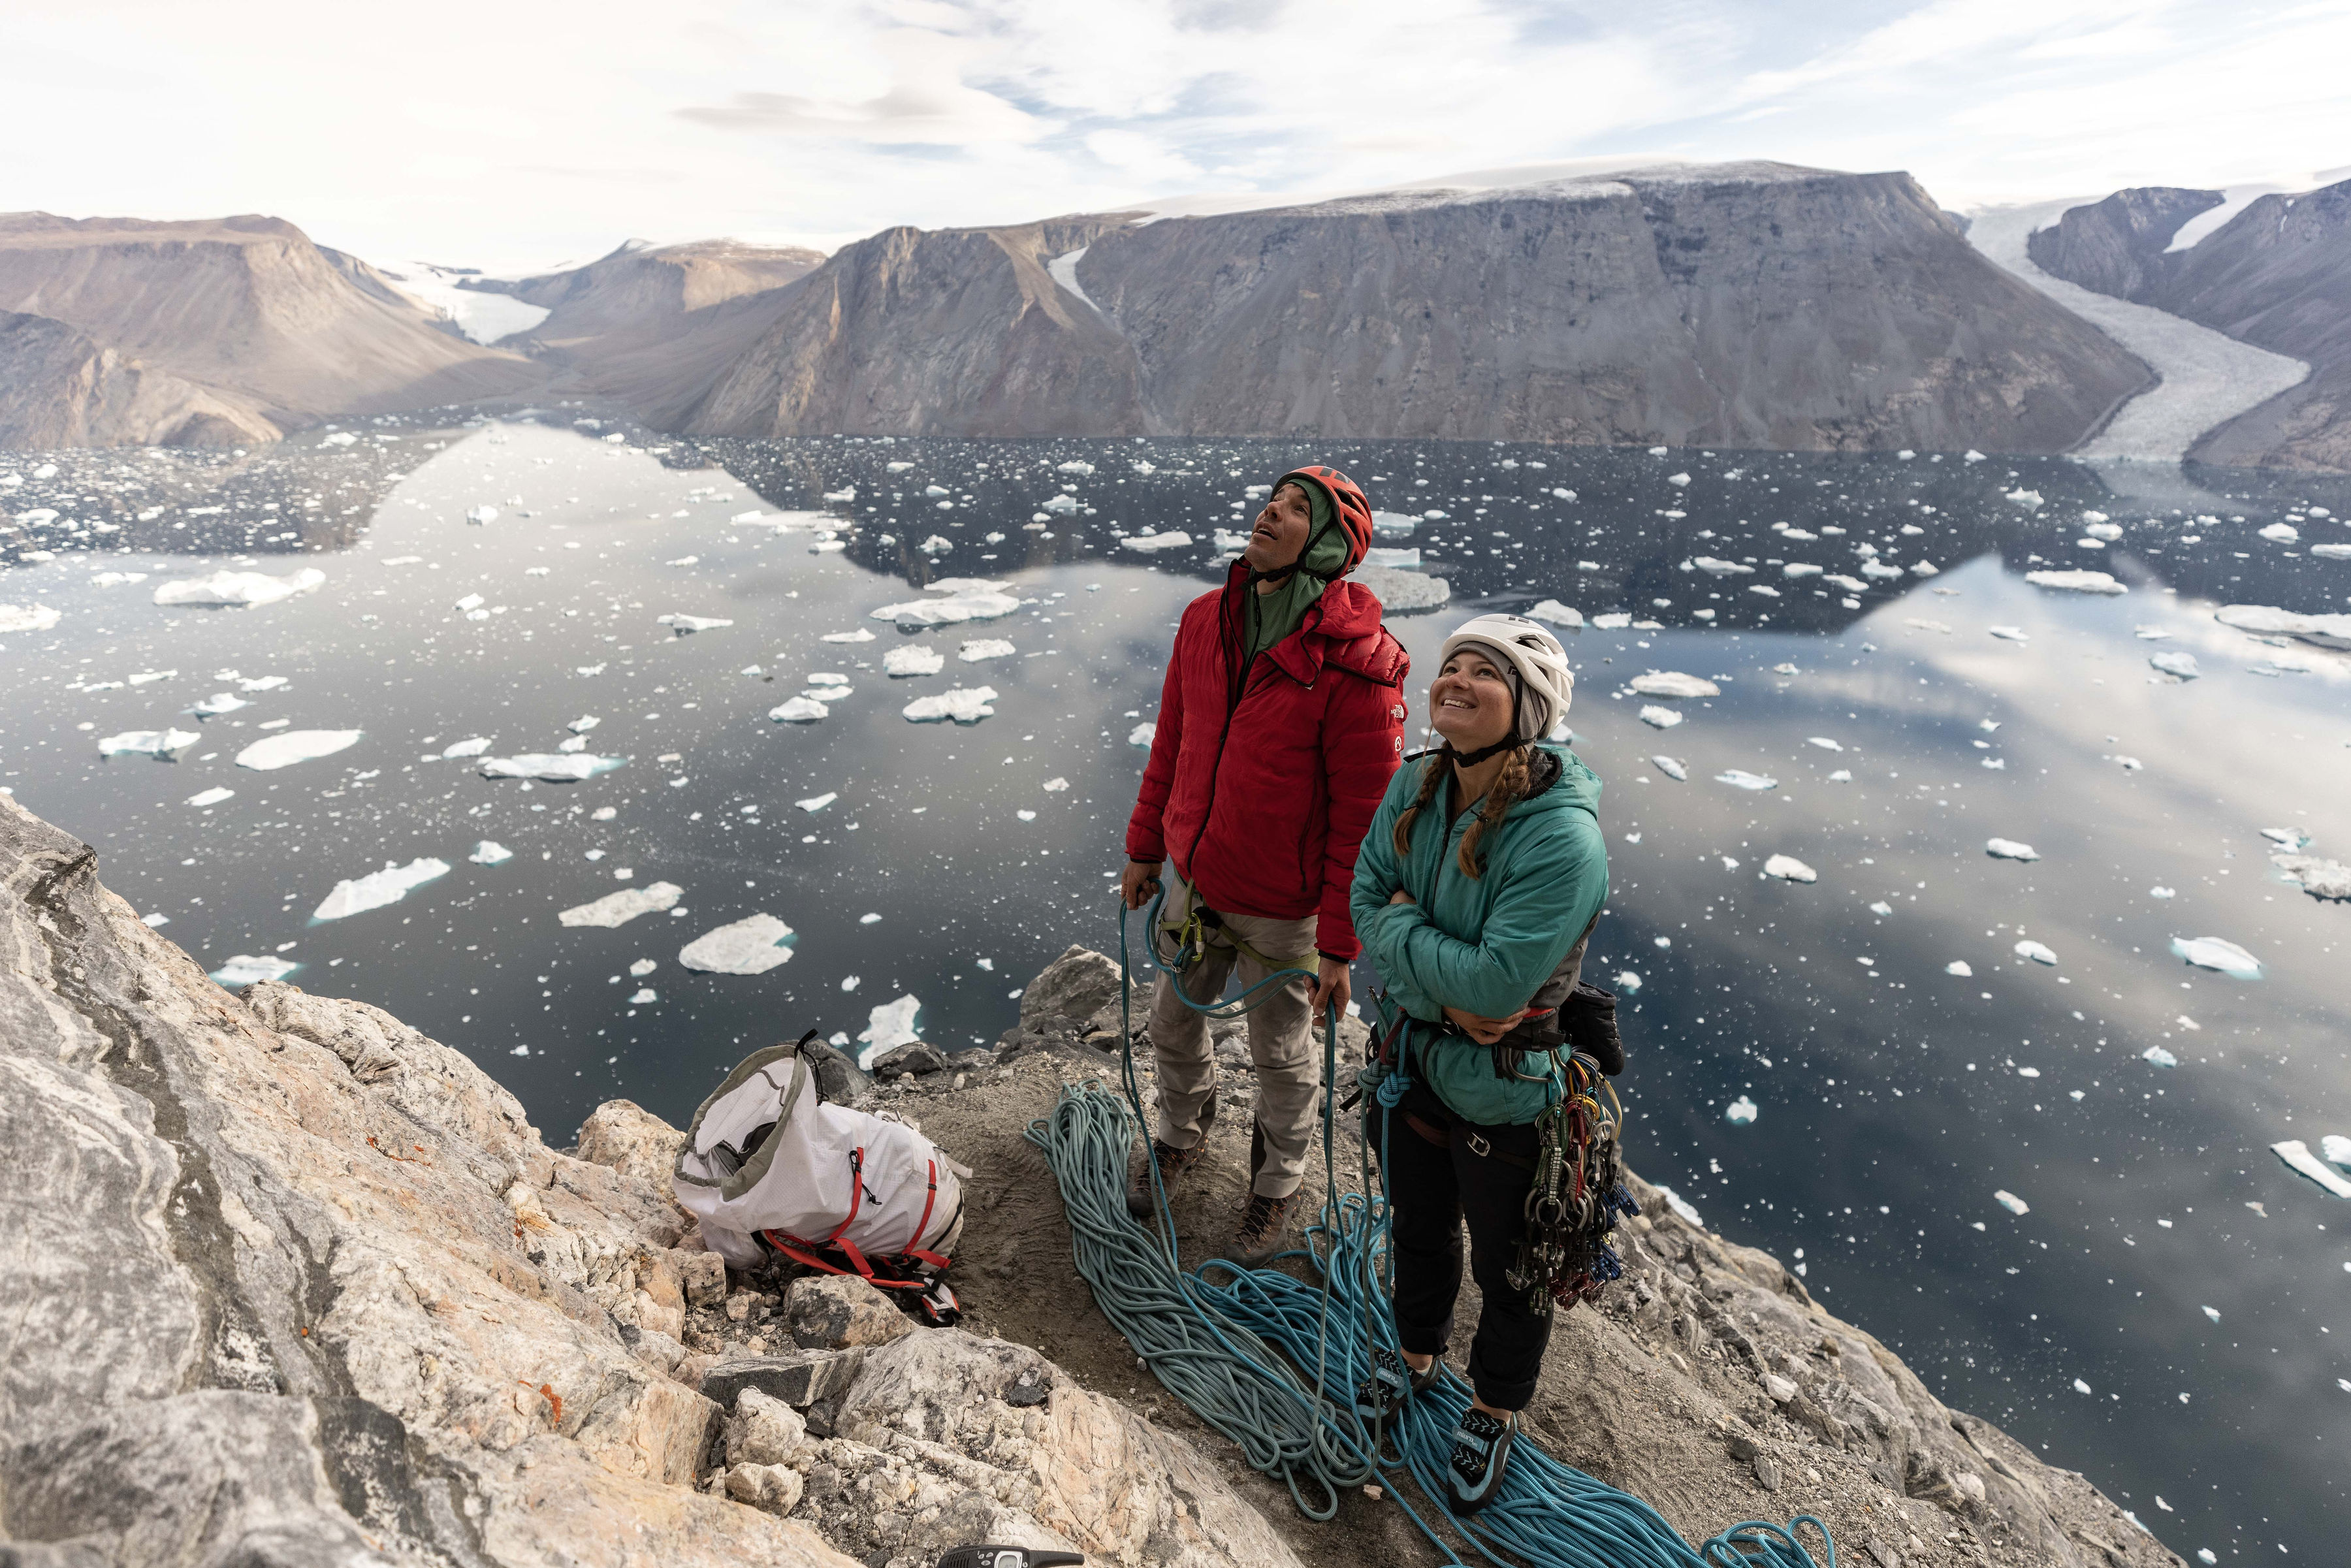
<point x="1483" y="944"/>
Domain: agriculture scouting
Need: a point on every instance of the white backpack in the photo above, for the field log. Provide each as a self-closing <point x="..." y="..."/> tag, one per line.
<point x="768" y="1167"/>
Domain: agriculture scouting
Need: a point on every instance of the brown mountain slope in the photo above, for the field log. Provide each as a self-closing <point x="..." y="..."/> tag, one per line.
<point x="1755" y="304"/>
<point x="246" y="307"/>
<point x="2117" y="247"/>
<point x="60" y="388"/>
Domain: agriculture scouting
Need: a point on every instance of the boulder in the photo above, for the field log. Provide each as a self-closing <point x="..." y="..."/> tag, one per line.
<point x="913" y="1057"/>
<point x="839" y="1079"/>
<point x="771" y="1488"/>
<point x="1072" y="989"/>
<point x="765" y="1431"/>
<point x="624" y="1137"/>
<point x="836" y="1311"/>
<point x="800" y="1378"/>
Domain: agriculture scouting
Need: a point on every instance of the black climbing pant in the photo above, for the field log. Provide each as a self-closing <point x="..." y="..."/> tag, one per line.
<point x="1431" y="1191"/>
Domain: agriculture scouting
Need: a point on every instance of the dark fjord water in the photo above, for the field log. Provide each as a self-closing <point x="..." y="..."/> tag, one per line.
<point x="1891" y="1099"/>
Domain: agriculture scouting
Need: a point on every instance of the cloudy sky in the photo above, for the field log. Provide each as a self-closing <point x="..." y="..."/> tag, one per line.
<point x="509" y="135"/>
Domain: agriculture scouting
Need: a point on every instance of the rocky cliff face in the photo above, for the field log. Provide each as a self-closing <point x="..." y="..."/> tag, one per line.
<point x="270" y="331"/>
<point x="60" y="387"/>
<point x="2117" y="245"/>
<point x="2277" y="275"/>
<point x="1752" y="305"/>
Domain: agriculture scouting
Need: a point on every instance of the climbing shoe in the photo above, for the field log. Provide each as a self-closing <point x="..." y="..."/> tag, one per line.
<point x="1264" y="1227"/>
<point x="1392" y="1381"/>
<point x="1482" y="1450"/>
<point x="1171" y="1163"/>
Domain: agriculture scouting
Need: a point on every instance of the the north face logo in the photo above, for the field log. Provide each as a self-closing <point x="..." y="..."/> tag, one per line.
<point x="1397" y="711"/>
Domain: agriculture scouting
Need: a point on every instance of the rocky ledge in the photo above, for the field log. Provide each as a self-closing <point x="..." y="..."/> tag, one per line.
<point x="294" y="1284"/>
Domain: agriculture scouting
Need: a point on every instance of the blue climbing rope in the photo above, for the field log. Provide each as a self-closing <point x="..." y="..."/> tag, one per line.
<point x="1238" y="1353"/>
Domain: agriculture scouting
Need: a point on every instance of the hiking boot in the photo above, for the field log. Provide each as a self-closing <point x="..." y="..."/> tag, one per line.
<point x="1392" y="1381"/>
<point x="1264" y="1227"/>
<point x="1481" y="1451"/>
<point x="1171" y="1163"/>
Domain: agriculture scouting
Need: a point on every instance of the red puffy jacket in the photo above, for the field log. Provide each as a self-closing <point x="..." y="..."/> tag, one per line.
<point x="1261" y="807"/>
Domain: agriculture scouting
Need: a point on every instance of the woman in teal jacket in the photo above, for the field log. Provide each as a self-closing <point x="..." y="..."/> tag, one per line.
<point x="1477" y="881"/>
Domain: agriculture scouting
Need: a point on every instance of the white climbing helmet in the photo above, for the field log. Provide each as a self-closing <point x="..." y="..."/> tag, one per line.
<point x="1532" y="657"/>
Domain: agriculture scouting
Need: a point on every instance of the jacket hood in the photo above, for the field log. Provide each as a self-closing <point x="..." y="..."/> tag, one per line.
<point x="1560" y="783"/>
<point x="1346" y="498"/>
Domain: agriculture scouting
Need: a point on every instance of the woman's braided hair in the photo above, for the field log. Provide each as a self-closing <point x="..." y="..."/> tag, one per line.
<point x="1509" y="787"/>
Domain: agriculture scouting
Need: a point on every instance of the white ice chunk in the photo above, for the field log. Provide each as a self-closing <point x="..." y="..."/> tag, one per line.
<point x="818" y="802"/>
<point x="1674" y="683"/>
<point x="473" y="748"/>
<point x="682" y="624"/>
<point x="1174" y="539"/>
<point x="888" y="1027"/>
<point x="239" y="587"/>
<point x="2332" y="552"/>
<point x="1659" y="717"/>
<point x="27" y="617"/>
<point x="285" y="749"/>
<point x="619" y="908"/>
<point x="1394" y="525"/>
<point x="1627" y="981"/>
<point x="751" y="946"/>
<point x="2075" y="581"/>
<point x="212" y="797"/>
<point x="2158" y="1056"/>
<point x="2010" y="849"/>
<point x="979" y="650"/>
<point x="218" y="704"/>
<point x="485" y="514"/>
<point x="378" y="888"/>
<point x="912" y="659"/>
<point x="2281" y="533"/>
<point x="2011" y="1202"/>
<point x="1739" y="779"/>
<point x="1959" y="967"/>
<point x="2298" y="1158"/>
<point x="1714" y="568"/>
<point x="1740" y="1112"/>
<point x="1558" y="614"/>
<point x="246" y="969"/>
<point x="948" y="609"/>
<point x="965" y="705"/>
<point x="1397" y="557"/>
<point x="583" y="723"/>
<point x="2177" y="663"/>
<point x="1611" y="621"/>
<point x="2037" y="952"/>
<point x="2325" y="631"/>
<point x="2336" y="1149"/>
<point x="471" y="601"/>
<point x="556" y="768"/>
<point x="489" y="852"/>
<point x="799" y="710"/>
<point x="1142" y="735"/>
<point x="2214" y="953"/>
<point x="1671" y="767"/>
<point x="1054" y="786"/>
<point x="644" y="997"/>
<point x="859" y="635"/>
<point x="1823" y="742"/>
<point x="1402" y="590"/>
<point x="164" y="745"/>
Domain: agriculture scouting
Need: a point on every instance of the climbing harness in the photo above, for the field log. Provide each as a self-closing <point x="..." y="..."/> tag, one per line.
<point x="1237" y="1353"/>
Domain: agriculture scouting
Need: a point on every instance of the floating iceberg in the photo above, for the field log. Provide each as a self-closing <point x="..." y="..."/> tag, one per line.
<point x="1403" y="590"/>
<point x="2075" y="581"/>
<point x="1741" y="1112"/>
<point x="1788" y="868"/>
<point x="2010" y="849"/>
<point x="2159" y="1057"/>
<point x="27" y="617"/>
<point x="1671" y="767"/>
<point x="1659" y="717"/>
<point x="888" y="1027"/>
<point x="751" y="946"/>
<point x="239" y="587"/>
<point x="2281" y="533"/>
<point x="619" y="908"/>
<point x="1174" y="539"/>
<point x="1392" y="524"/>
<point x="2325" y="631"/>
<point x="1142" y="735"/>
<point x="2337" y="1150"/>
<point x="285" y="749"/>
<point x="2302" y="1162"/>
<point x="556" y="768"/>
<point x="860" y="636"/>
<point x="473" y="748"/>
<point x="1558" y="614"/>
<point x="378" y="888"/>
<point x="2010" y="634"/>
<point x="2037" y="952"/>
<point x="218" y="704"/>
<point x="965" y="705"/>
<point x="212" y="797"/>
<point x="1674" y="683"/>
<point x="682" y="624"/>
<point x="799" y="710"/>
<point x="1823" y="742"/>
<point x="1714" y="568"/>
<point x="2011" y="1202"/>
<point x="979" y="650"/>
<point x="163" y="745"/>
<point x="1739" y="779"/>
<point x="818" y="802"/>
<point x="913" y="659"/>
<point x="489" y="852"/>
<point x="1397" y="557"/>
<point x="246" y="969"/>
<point x="949" y="609"/>
<point x="1612" y="620"/>
<point x="2177" y="663"/>
<point x="1960" y="967"/>
<point x="2317" y="877"/>
<point x="646" y="997"/>
<point x="2214" y="953"/>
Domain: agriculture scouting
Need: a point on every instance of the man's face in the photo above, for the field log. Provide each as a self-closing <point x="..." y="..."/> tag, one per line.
<point x="1281" y="531"/>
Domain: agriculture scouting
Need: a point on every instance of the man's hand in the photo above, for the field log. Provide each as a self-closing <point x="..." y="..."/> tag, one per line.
<point x="1330" y="985"/>
<point x="1138" y="884"/>
<point x="1484" y="1030"/>
<point x="1400" y="896"/>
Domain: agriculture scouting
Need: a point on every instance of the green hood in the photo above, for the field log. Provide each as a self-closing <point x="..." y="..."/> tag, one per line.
<point x="1273" y="616"/>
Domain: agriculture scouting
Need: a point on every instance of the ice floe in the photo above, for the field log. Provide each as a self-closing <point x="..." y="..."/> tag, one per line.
<point x="1788" y="868"/>
<point x="979" y="603"/>
<point x="2075" y="581"/>
<point x="378" y="888"/>
<point x="1174" y="539"/>
<point x="980" y="649"/>
<point x="1960" y="967"/>
<point x="2036" y="951"/>
<point x="212" y="797"/>
<point x="860" y="636"/>
<point x="619" y="908"/>
<point x="245" y="588"/>
<point x="1674" y="683"/>
<point x="1402" y="590"/>
<point x="1556" y="613"/>
<point x="683" y="625"/>
<point x="913" y="659"/>
<point x="818" y="802"/>
<point x="163" y="745"/>
<point x="1141" y="735"/>
<point x="2325" y="631"/>
<point x="1713" y="567"/>
<point x="751" y="946"/>
<point x="216" y="705"/>
<point x="556" y="768"/>
<point x="963" y="705"/>
<point x="1397" y="557"/>
<point x="888" y="1027"/>
<point x="294" y="745"/>
<point x="2010" y="849"/>
<point x="2216" y="953"/>
<point x="1823" y="742"/>
<point x="246" y="969"/>
<point x="2302" y="1162"/>
<point x="1659" y="717"/>
<point x="1740" y="1112"/>
<point x="799" y="710"/>
<point x="2010" y="634"/>
<point x="489" y="852"/>
<point x="2011" y="1202"/>
<point x="1739" y="779"/>
<point x="2317" y="877"/>
<point x="1671" y="767"/>
<point x="27" y="617"/>
<point x="2158" y="1056"/>
<point x="2177" y="663"/>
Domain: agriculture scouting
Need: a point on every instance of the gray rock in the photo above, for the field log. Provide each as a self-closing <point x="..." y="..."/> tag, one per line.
<point x="840" y="1311"/>
<point x="1071" y="989"/>
<point x="765" y="1431"/>
<point x="628" y="1138"/>
<point x="913" y="1057"/>
<point x="771" y="1488"/>
<point x="839" y="1079"/>
<point x="1766" y="1471"/>
<point x="801" y="1378"/>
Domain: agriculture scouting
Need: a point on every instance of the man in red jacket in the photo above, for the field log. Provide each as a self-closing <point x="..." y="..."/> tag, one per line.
<point x="1280" y="724"/>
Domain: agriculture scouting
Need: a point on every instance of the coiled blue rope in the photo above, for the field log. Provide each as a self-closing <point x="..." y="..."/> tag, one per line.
<point x="1237" y="1353"/>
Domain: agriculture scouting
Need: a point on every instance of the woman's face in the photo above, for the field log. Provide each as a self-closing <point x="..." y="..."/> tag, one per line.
<point x="1281" y="531"/>
<point x="1469" y="701"/>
